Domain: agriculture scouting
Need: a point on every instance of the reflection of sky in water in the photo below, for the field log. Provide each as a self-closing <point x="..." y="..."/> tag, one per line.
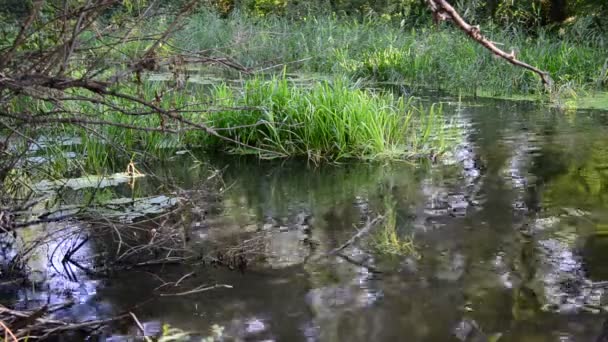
<point x="516" y="168"/>
<point x="501" y="267"/>
<point x="55" y="281"/>
<point x="566" y="289"/>
<point x="255" y="326"/>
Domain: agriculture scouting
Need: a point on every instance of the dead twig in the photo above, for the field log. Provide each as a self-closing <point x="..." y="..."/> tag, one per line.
<point x="79" y="326"/>
<point x="140" y="326"/>
<point x="369" y="268"/>
<point x="182" y="278"/>
<point x="8" y="332"/>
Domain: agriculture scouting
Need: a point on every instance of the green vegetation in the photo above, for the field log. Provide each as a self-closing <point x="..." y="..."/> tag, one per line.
<point x="351" y="45"/>
<point x="529" y="13"/>
<point x="389" y="240"/>
<point x="172" y="334"/>
<point x="98" y="96"/>
<point x="382" y="50"/>
<point x="326" y="121"/>
<point x="273" y="118"/>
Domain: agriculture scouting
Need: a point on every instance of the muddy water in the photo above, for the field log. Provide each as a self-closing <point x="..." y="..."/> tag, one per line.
<point x="510" y="237"/>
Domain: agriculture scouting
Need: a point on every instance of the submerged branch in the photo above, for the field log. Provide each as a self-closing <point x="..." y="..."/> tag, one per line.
<point x="369" y="268"/>
<point x="199" y="289"/>
<point x="364" y="231"/>
<point x="442" y="10"/>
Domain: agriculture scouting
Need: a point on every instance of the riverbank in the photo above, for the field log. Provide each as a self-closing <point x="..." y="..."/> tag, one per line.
<point x="430" y="57"/>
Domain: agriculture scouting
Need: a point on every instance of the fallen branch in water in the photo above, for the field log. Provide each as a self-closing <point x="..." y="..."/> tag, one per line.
<point x="86" y="326"/>
<point x="363" y="231"/>
<point x="20" y="280"/>
<point x="442" y="10"/>
<point x="369" y="268"/>
<point x="8" y="332"/>
<point x="140" y="327"/>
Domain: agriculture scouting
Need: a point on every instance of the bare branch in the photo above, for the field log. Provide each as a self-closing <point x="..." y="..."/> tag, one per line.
<point x="362" y="232"/>
<point x="8" y="56"/>
<point x="443" y="11"/>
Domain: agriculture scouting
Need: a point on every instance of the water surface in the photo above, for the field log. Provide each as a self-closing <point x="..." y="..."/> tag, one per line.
<point x="509" y="230"/>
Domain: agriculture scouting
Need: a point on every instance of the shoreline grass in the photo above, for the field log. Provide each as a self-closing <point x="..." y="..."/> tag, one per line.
<point x="380" y="50"/>
<point x="330" y="120"/>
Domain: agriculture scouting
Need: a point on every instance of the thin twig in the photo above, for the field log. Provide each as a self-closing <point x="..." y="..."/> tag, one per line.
<point x="196" y="290"/>
<point x="83" y="325"/>
<point x="182" y="278"/>
<point x="8" y="56"/>
<point x="358" y="263"/>
<point x="140" y="326"/>
<point x="8" y="331"/>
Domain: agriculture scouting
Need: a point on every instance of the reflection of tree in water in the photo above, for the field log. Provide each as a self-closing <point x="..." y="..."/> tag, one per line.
<point x="584" y="183"/>
<point x="547" y="165"/>
<point x="567" y="174"/>
<point x="526" y="305"/>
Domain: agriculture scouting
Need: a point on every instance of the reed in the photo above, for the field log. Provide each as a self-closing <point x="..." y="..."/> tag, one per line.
<point x="328" y="120"/>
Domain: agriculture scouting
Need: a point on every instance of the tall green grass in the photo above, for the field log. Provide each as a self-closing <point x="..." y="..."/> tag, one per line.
<point x="328" y="120"/>
<point x="273" y="118"/>
<point x="382" y="50"/>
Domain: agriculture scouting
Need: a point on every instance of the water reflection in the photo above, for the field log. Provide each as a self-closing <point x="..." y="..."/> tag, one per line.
<point x="508" y="232"/>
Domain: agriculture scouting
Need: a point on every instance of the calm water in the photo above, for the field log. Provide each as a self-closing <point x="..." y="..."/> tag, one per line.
<point x="510" y="236"/>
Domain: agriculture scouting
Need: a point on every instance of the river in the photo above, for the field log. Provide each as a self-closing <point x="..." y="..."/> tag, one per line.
<point x="510" y="236"/>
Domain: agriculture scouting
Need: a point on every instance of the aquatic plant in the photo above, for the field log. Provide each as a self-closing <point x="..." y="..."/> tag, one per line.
<point x="388" y="240"/>
<point x="272" y="118"/>
<point x="328" y="120"/>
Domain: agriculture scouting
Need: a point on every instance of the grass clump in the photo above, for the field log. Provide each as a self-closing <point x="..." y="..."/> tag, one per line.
<point x="328" y="120"/>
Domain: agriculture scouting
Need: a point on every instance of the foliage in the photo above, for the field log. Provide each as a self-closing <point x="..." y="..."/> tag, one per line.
<point x="383" y="51"/>
<point x="528" y="14"/>
<point x="173" y="334"/>
<point x="271" y="118"/>
<point x="329" y="120"/>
